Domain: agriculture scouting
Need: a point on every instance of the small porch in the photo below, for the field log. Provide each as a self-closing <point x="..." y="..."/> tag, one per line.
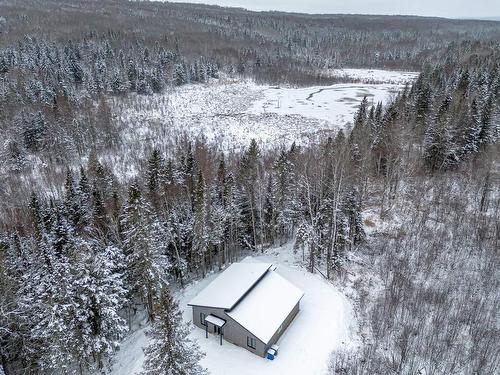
<point x="217" y="326"/>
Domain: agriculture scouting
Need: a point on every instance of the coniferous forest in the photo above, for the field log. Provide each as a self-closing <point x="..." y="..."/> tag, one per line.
<point x="84" y="251"/>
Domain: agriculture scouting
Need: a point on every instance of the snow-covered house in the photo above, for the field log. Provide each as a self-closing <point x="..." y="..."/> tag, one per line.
<point x="249" y="304"/>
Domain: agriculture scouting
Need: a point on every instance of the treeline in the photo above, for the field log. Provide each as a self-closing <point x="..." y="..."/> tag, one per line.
<point x="271" y="46"/>
<point x="446" y="118"/>
<point x="75" y="271"/>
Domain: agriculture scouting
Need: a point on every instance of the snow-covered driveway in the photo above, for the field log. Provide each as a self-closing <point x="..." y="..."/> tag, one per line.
<point x="325" y="322"/>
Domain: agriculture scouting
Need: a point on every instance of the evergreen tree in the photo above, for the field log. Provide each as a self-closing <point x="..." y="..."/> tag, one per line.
<point x="487" y="133"/>
<point x="145" y="242"/>
<point x="34" y="129"/>
<point x="180" y="75"/>
<point x="439" y="146"/>
<point x="171" y="352"/>
<point x="4" y="67"/>
<point x="472" y="132"/>
<point x="100" y="295"/>
<point x="155" y="178"/>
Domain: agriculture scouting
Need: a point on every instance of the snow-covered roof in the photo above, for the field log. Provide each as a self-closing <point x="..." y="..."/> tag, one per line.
<point x="231" y="285"/>
<point x="215" y="320"/>
<point x="265" y="308"/>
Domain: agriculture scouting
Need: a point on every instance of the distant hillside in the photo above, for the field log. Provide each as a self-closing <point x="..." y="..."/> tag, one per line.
<point x="485" y="18"/>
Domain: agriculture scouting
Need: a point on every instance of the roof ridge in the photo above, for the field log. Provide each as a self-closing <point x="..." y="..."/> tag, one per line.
<point x="227" y="281"/>
<point x="249" y="289"/>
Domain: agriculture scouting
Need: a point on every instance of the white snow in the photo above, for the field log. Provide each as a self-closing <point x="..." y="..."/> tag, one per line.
<point x="229" y="113"/>
<point x="265" y="308"/>
<point x="227" y="289"/>
<point x="215" y="320"/>
<point x="324" y="323"/>
<point x="335" y="104"/>
<point x="129" y="359"/>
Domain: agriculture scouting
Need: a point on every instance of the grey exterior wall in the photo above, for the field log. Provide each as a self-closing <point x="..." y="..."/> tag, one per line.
<point x="233" y="332"/>
<point x="283" y="327"/>
<point x="237" y="334"/>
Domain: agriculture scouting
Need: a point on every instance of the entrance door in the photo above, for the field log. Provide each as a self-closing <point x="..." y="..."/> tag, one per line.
<point x="216" y="330"/>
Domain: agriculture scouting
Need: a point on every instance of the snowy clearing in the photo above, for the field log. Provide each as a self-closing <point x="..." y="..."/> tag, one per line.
<point x="325" y="323"/>
<point x="231" y="112"/>
<point x="335" y="104"/>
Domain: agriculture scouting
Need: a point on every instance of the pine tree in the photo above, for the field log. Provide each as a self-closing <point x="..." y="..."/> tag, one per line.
<point x="472" y="139"/>
<point x="50" y="300"/>
<point x="4" y="67"/>
<point x="361" y="114"/>
<point x="76" y="70"/>
<point x="486" y="135"/>
<point x="155" y="177"/>
<point x="118" y="83"/>
<point x="145" y="242"/>
<point x="36" y="215"/>
<point x="284" y="196"/>
<point x="34" y="129"/>
<point x="423" y="102"/>
<point x="171" y="351"/>
<point x="439" y="146"/>
<point x="100" y="296"/>
<point x="180" y="76"/>
<point x="132" y="75"/>
<point x="72" y="201"/>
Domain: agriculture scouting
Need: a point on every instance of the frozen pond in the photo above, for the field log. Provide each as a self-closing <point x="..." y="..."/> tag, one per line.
<point x="336" y="104"/>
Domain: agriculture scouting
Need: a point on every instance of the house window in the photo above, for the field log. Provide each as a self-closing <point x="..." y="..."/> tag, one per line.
<point x="251" y="342"/>
<point x="202" y="319"/>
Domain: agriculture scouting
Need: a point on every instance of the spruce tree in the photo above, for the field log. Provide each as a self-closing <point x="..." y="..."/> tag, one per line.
<point x="171" y="351"/>
<point x="145" y="242"/>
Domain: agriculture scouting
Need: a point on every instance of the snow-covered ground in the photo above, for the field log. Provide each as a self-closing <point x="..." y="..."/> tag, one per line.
<point x="325" y="323"/>
<point x="335" y="104"/>
<point x="231" y="112"/>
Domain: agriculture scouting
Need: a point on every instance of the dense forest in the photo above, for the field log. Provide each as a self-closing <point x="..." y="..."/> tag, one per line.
<point x="77" y="266"/>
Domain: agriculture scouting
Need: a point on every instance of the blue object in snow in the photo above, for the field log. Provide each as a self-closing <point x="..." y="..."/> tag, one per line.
<point x="271" y="354"/>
